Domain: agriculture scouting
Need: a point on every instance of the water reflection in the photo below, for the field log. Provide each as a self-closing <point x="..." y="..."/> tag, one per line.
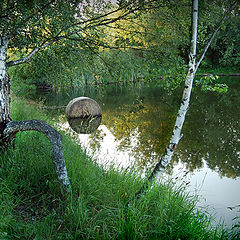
<point x="217" y="195"/>
<point x="212" y="133"/>
<point x="85" y="125"/>
<point x="137" y="126"/>
<point x="147" y="125"/>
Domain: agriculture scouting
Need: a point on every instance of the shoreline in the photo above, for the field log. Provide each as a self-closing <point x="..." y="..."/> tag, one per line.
<point x="221" y="74"/>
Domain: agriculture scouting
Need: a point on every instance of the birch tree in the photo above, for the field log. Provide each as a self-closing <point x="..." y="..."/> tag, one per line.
<point x="177" y="135"/>
<point x="185" y="101"/>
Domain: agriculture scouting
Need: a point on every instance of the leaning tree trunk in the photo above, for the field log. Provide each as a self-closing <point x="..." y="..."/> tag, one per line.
<point x="192" y="68"/>
<point x="9" y="128"/>
<point x="176" y="135"/>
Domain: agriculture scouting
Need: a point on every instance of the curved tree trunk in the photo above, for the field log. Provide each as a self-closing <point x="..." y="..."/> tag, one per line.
<point x="9" y="128"/>
<point x="54" y="137"/>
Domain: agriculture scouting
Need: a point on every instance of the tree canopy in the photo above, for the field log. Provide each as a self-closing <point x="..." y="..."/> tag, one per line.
<point x="104" y="41"/>
<point x="33" y="25"/>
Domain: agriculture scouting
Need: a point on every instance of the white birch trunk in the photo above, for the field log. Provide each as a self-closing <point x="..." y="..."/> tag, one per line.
<point x="4" y="85"/>
<point x="192" y="68"/>
<point x="176" y="136"/>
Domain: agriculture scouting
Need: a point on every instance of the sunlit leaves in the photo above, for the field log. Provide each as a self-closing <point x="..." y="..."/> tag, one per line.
<point x="32" y="23"/>
<point x="209" y="83"/>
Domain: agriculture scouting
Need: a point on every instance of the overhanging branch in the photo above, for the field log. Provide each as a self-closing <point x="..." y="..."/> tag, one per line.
<point x="89" y="24"/>
<point x="29" y="56"/>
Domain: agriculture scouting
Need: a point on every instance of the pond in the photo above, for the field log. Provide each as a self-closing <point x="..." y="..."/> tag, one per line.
<point x="137" y="125"/>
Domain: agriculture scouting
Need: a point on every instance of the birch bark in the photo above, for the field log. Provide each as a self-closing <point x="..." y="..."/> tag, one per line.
<point x="176" y="135"/>
<point x="4" y="85"/>
<point x="192" y="69"/>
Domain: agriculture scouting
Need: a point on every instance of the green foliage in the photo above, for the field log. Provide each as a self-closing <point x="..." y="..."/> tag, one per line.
<point x="149" y="46"/>
<point x="208" y="83"/>
<point x="33" y="207"/>
<point x="32" y="23"/>
<point x="68" y="67"/>
<point x="224" y="50"/>
<point x="229" y="47"/>
<point x="59" y="67"/>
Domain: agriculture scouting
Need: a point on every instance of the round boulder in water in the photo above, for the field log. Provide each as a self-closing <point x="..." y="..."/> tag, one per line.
<point x="84" y="115"/>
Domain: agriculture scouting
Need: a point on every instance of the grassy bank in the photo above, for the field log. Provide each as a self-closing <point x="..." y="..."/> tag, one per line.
<point x="32" y="205"/>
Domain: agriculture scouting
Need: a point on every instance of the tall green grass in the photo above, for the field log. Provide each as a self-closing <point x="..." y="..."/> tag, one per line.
<point x="32" y="205"/>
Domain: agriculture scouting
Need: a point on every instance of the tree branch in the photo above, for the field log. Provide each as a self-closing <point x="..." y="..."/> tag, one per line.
<point x="129" y="31"/>
<point x="94" y="24"/>
<point x="213" y="35"/>
<point x="55" y="139"/>
<point x="97" y="43"/>
<point x="29" y="56"/>
<point x="95" y="19"/>
<point x="104" y="15"/>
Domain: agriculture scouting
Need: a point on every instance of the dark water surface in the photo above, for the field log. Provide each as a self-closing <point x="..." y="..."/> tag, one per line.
<point x="137" y="125"/>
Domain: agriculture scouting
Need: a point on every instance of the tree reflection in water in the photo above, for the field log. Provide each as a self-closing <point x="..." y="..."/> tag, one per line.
<point x="137" y="126"/>
<point x="142" y="126"/>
